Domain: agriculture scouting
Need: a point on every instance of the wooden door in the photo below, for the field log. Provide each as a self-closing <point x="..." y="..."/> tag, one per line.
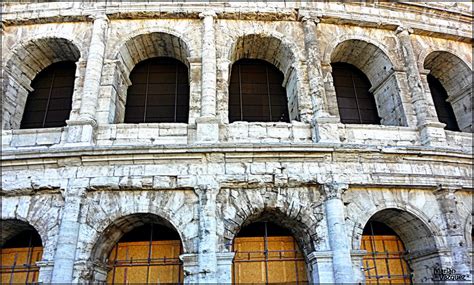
<point x="283" y="263"/>
<point x="19" y="264"/>
<point x="384" y="261"/>
<point x="131" y="263"/>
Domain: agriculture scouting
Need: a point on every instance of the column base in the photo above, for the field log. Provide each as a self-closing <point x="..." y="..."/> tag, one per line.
<point x="190" y="267"/>
<point x="45" y="270"/>
<point x="325" y="130"/>
<point x="320" y="266"/>
<point x="80" y="132"/>
<point x="207" y="130"/>
<point x="433" y="134"/>
<point x="357" y="257"/>
<point x="224" y="267"/>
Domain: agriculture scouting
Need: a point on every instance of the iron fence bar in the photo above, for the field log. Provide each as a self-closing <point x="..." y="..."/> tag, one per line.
<point x="265" y="244"/>
<point x="30" y="255"/>
<point x="49" y="98"/>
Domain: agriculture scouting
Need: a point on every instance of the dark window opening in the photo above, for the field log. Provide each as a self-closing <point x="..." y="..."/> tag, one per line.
<point x="159" y="92"/>
<point x="356" y="103"/>
<point x="443" y="108"/>
<point x="256" y="93"/>
<point x="50" y="102"/>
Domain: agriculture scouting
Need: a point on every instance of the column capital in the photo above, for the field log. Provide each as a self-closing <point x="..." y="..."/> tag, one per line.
<point x="402" y="30"/>
<point x="203" y="189"/>
<point x="208" y="13"/>
<point x="309" y="19"/>
<point x="334" y="190"/>
<point x="99" y="16"/>
<point x="443" y="190"/>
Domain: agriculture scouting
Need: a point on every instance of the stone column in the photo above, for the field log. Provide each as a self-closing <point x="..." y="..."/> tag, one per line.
<point x="425" y="112"/>
<point x="324" y="125"/>
<point x="68" y="235"/>
<point x="320" y="266"/>
<point x="81" y="130"/>
<point x="454" y="229"/>
<point x="338" y="240"/>
<point x="207" y="256"/>
<point x="207" y="124"/>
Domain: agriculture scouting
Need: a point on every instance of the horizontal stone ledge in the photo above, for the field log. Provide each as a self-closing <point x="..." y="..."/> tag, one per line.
<point x="252" y="150"/>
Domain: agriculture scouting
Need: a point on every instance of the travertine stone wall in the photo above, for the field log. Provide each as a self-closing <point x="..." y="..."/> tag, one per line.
<point x="81" y="186"/>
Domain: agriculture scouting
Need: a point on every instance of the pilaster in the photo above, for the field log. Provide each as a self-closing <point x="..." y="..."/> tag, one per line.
<point x="208" y="124"/>
<point x="431" y="130"/>
<point x="338" y="239"/>
<point x="207" y="254"/>
<point x="323" y="124"/>
<point x="68" y="235"/>
<point x="82" y="129"/>
<point x="460" y="254"/>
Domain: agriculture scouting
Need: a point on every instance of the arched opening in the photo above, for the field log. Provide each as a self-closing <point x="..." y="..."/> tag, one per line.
<point x="138" y="248"/>
<point x="254" y="54"/>
<point x="256" y="93"/>
<point x="401" y="248"/>
<point x="21" y="248"/>
<point x="450" y="84"/>
<point x="384" y="261"/>
<point x="443" y="108"/>
<point x="159" y="92"/>
<point x="49" y="103"/>
<point x="146" y="254"/>
<point x="152" y="68"/>
<point x="355" y="101"/>
<point x="267" y="253"/>
<point x="39" y="60"/>
<point x="375" y="69"/>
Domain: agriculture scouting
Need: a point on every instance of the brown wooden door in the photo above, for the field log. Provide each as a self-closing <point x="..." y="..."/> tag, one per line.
<point x="283" y="262"/>
<point x="384" y="261"/>
<point x="131" y="263"/>
<point x="19" y="264"/>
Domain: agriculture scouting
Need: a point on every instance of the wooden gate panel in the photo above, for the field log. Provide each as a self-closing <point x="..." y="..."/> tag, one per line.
<point x="14" y="261"/>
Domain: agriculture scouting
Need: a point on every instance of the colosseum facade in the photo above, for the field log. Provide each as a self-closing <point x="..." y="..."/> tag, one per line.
<point x="301" y="191"/>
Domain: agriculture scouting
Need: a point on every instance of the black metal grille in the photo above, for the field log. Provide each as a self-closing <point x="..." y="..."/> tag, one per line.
<point x="159" y="92"/>
<point x="356" y="104"/>
<point x="256" y="93"/>
<point x="443" y="108"/>
<point x="50" y="102"/>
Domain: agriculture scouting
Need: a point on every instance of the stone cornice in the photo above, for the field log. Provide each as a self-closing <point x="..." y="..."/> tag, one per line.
<point x="240" y="150"/>
<point x="331" y="13"/>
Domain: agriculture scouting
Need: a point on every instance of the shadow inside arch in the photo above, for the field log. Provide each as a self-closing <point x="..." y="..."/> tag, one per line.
<point x="114" y="232"/>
